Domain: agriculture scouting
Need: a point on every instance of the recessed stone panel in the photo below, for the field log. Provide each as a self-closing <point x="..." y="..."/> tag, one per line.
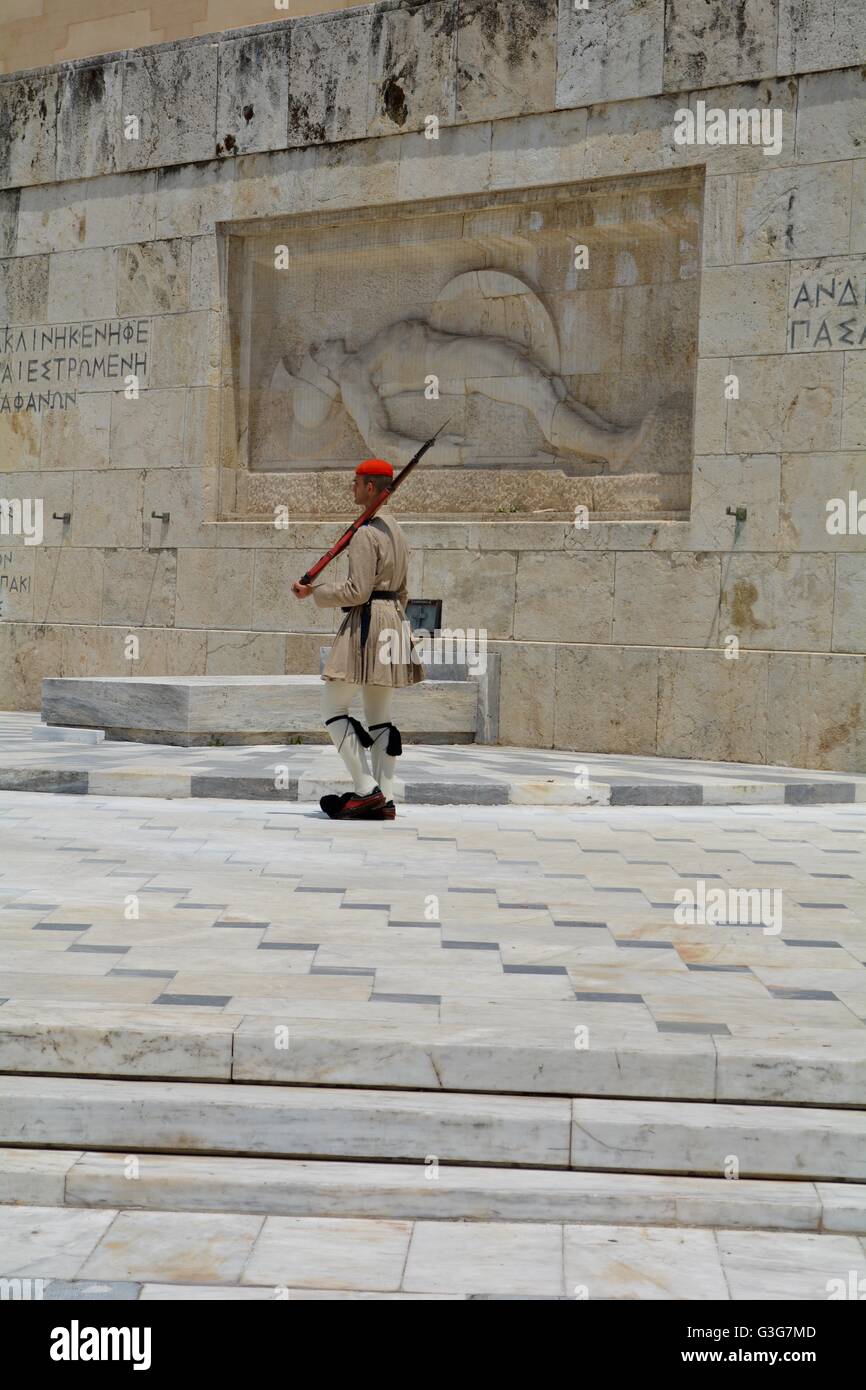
<point x="360" y="334"/>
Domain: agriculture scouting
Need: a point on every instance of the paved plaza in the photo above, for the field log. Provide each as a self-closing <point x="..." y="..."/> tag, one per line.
<point x="510" y="1067"/>
<point x="34" y="757"/>
<point x="526" y="918"/>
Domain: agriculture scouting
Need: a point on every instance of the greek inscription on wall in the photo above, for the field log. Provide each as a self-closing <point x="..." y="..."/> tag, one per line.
<point x="10" y="581"/>
<point x="44" y="366"/>
<point x="827" y="306"/>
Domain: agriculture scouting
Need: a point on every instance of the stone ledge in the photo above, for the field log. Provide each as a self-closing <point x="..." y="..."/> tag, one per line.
<point x="292" y="1187"/>
<point x="138" y="1045"/>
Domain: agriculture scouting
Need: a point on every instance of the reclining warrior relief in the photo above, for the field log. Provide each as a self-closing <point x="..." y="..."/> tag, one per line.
<point x="399" y="360"/>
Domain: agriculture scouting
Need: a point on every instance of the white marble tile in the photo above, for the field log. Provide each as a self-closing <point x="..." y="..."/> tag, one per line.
<point x="485" y="1258"/>
<point x="168" y="1246"/>
<point x="603" y="1262"/>
<point x="298" y="1251"/>
<point x="780" y="1265"/>
<point x="49" y="1242"/>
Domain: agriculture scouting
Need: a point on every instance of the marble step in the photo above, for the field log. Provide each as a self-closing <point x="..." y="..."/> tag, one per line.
<point x="176" y="1044"/>
<point x="422" y="1126"/>
<point x="743" y="1140"/>
<point x="412" y="1191"/>
<point x="194" y="711"/>
<point x="105" y="1253"/>
<point x="282" y="1121"/>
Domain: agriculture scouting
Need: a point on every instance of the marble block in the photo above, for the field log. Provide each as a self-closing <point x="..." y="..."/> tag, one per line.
<point x="193" y="710"/>
<point x="283" y="1122"/>
<point x="652" y="1136"/>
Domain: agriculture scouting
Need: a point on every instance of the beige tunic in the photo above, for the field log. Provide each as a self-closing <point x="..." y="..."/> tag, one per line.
<point x="378" y="559"/>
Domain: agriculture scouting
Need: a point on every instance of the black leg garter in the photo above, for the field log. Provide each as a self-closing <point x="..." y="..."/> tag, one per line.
<point x="395" y="743"/>
<point x="363" y="737"/>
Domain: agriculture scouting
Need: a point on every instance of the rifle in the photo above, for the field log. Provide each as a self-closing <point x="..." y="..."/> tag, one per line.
<point x="339" y="546"/>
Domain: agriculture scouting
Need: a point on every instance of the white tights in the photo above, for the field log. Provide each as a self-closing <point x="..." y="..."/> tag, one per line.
<point x="337" y="696"/>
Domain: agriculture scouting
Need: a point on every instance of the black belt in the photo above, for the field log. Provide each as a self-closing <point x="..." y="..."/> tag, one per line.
<point x="366" y="611"/>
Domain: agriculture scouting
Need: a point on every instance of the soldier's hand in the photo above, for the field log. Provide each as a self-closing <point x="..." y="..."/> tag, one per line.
<point x="301" y="590"/>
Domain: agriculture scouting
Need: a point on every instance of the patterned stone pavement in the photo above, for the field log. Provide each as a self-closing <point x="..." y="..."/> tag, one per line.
<point x="467" y="774"/>
<point x="525" y="918"/>
<point x="505" y="933"/>
<point x="106" y="1254"/>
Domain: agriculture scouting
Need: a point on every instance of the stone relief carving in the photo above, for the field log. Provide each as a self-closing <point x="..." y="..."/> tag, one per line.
<point x="507" y="351"/>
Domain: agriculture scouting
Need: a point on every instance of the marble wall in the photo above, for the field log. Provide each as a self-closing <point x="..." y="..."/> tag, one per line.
<point x="664" y="625"/>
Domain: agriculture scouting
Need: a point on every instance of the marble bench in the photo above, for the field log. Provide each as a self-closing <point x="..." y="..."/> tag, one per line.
<point x="192" y="711"/>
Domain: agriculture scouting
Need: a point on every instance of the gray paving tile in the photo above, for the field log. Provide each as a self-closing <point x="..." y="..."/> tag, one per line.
<point x="792" y="941"/>
<point x="818" y="793"/>
<point x="676" y="1027"/>
<point x="98" y="950"/>
<point x="405" y="998"/>
<point x="534" y="970"/>
<point x="87" y="1290"/>
<point x="214" y="1000"/>
<point x="340" y="970"/>
<point x="144" y="974"/>
<point x="792" y="993"/>
<point x="607" y="997"/>
<point x="643" y="943"/>
<point x="288" y="946"/>
<point x="62" y="926"/>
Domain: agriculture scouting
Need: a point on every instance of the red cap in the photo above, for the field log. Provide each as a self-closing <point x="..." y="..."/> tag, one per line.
<point x="374" y="468"/>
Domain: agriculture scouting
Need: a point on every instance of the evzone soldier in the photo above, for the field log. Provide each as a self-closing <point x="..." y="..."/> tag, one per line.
<point x="373" y="599"/>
